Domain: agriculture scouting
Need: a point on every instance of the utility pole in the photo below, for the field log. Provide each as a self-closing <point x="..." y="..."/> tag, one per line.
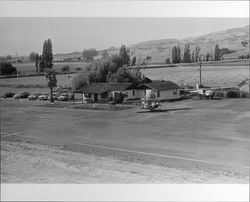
<point x="200" y="72"/>
<point x="16" y="67"/>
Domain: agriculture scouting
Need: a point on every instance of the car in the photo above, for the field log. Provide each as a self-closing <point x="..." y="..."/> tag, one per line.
<point x="43" y="96"/>
<point x="34" y="96"/>
<point x="21" y="95"/>
<point x="63" y="97"/>
<point x="55" y="95"/>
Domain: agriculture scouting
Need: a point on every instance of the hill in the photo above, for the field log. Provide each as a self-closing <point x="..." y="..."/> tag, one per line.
<point x="236" y="39"/>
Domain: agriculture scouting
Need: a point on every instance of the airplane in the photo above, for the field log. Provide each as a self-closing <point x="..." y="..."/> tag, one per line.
<point x="203" y="92"/>
<point x="150" y="104"/>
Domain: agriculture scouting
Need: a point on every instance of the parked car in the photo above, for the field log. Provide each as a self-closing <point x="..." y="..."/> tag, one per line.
<point x="21" y="95"/>
<point x="43" y="96"/>
<point x="63" y="97"/>
<point x="34" y="96"/>
<point x="55" y="96"/>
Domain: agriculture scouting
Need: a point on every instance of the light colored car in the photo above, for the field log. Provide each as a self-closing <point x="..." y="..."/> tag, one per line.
<point x="43" y="96"/>
<point x="34" y="96"/>
<point x="63" y="97"/>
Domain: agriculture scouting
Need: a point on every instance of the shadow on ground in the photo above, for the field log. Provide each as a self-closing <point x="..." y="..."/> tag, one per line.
<point x="164" y="110"/>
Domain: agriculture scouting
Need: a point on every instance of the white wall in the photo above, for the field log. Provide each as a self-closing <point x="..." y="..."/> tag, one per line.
<point x="244" y="88"/>
<point x="166" y="94"/>
<point x="137" y="93"/>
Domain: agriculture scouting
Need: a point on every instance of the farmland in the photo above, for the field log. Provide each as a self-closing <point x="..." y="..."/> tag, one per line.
<point x="29" y="68"/>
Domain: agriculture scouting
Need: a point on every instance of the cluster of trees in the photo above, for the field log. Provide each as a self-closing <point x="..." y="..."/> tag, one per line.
<point x="244" y="56"/>
<point x="109" y="69"/>
<point x="194" y="56"/>
<point x="6" y="68"/>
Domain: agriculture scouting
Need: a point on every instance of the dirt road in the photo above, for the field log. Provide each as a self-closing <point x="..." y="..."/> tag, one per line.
<point x="203" y="136"/>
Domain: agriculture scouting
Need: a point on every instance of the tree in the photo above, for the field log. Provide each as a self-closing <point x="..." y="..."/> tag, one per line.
<point x="207" y="56"/>
<point x="37" y="63"/>
<point x="51" y="78"/>
<point x="8" y="57"/>
<point x="176" y="54"/>
<point x="167" y="61"/>
<point x="187" y="55"/>
<point x="32" y="56"/>
<point x="6" y="68"/>
<point x="197" y="53"/>
<point x="105" y="54"/>
<point x="47" y="56"/>
<point x="124" y="55"/>
<point x="133" y="63"/>
<point x="216" y="53"/>
<point x="89" y="54"/>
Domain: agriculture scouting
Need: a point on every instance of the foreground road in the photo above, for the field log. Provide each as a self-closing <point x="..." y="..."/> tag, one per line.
<point x="208" y="135"/>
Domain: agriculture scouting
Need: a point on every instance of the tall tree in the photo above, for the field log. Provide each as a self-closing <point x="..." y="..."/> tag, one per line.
<point x="207" y="56"/>
<point x="32" y="56"/>
<point x="133" y="61"/>
<point x="124" y="55"/>
<point x="51" y="78"/>
<point x="197" y="53"/>
<point x="216" y="53"/>
<point x="176" y="54"/>
<point x="187" y="55"/>
<point x="47" y="56"/>
<point x="37" y="63"/>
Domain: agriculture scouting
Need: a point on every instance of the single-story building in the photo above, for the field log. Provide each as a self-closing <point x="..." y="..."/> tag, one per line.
<point x="244" y="86"/>
<point x="101" y="92"/>
<point x="161" y="90"/>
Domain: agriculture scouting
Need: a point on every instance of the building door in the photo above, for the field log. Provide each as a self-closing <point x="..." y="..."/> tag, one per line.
<point x="95" y="97"/>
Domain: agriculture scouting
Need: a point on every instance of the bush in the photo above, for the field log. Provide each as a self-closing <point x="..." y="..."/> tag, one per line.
<point x="78" y="69"/>
<point x="65" y="68"/>
<point x="233" y="94"/>
<point x="119" y="98"/>
<point x="8" y="95"/>
<point x="245" y="95"/>
<point x="219" y="94"/>
<point x="7" y="69"/>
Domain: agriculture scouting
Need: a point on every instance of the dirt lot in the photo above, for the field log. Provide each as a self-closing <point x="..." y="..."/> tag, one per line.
<point x="193" y="141"/>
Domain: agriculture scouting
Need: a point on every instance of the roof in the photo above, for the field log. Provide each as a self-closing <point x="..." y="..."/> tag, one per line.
<point x="247" y="81"/>
<point x="161" y="85"/>
<point x="104" y="87"/>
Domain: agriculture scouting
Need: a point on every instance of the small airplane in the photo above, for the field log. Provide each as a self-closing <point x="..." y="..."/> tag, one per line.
<point x="203" y="92"/>
<point x="150" y="104"/>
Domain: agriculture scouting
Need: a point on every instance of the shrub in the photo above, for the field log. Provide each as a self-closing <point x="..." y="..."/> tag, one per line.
<point x="7" y="69"/>
<point x="219" y="94"/>
<point x="119" y="98"/>
<point x="8" y="94"/>
<point x="78" y="69"/>
<point x="65" y="68"/>
<point x="233" y="94"/>
<point x="245" y="95"/>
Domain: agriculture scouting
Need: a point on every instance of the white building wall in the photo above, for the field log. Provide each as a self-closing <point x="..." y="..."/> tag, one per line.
<point x="166" y="94"/>
<point x="137" y="93"/>
<point x="244" y="88"/>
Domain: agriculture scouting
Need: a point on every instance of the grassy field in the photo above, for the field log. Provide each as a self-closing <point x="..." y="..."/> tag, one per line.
<point x="29" y="68"/>
<point x="192" y="141"/>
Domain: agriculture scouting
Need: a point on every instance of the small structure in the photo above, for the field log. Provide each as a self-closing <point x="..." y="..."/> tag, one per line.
<point x="160" y="90"/>
<point x="102" y="92"/>
<point x="244" y="86"/>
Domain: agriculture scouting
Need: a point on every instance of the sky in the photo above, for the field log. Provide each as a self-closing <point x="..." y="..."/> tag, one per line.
<point x="24" y="35"/>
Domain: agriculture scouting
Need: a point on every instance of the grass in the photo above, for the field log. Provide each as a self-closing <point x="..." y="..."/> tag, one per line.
<point x="29" y="68"/>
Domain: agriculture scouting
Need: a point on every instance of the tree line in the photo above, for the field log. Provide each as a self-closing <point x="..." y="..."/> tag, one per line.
<point x="194" y="56"/>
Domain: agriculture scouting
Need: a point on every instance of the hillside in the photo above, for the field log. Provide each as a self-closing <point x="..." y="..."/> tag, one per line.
<point x="159" y="50"/>
<point x="236" y="39"/>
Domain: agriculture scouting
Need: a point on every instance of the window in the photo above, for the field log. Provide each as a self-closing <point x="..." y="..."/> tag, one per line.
<point x="175" y="92"/>
<point x="158" y="94"/>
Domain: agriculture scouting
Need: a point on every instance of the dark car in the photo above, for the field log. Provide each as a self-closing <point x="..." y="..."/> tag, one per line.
<point x="21" y="95"/>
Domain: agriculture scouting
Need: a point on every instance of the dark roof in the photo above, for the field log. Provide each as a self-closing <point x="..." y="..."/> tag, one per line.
<point x="161" y="85"/>
<point x="244" y="82"/>
<point x="104" y="87"/>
